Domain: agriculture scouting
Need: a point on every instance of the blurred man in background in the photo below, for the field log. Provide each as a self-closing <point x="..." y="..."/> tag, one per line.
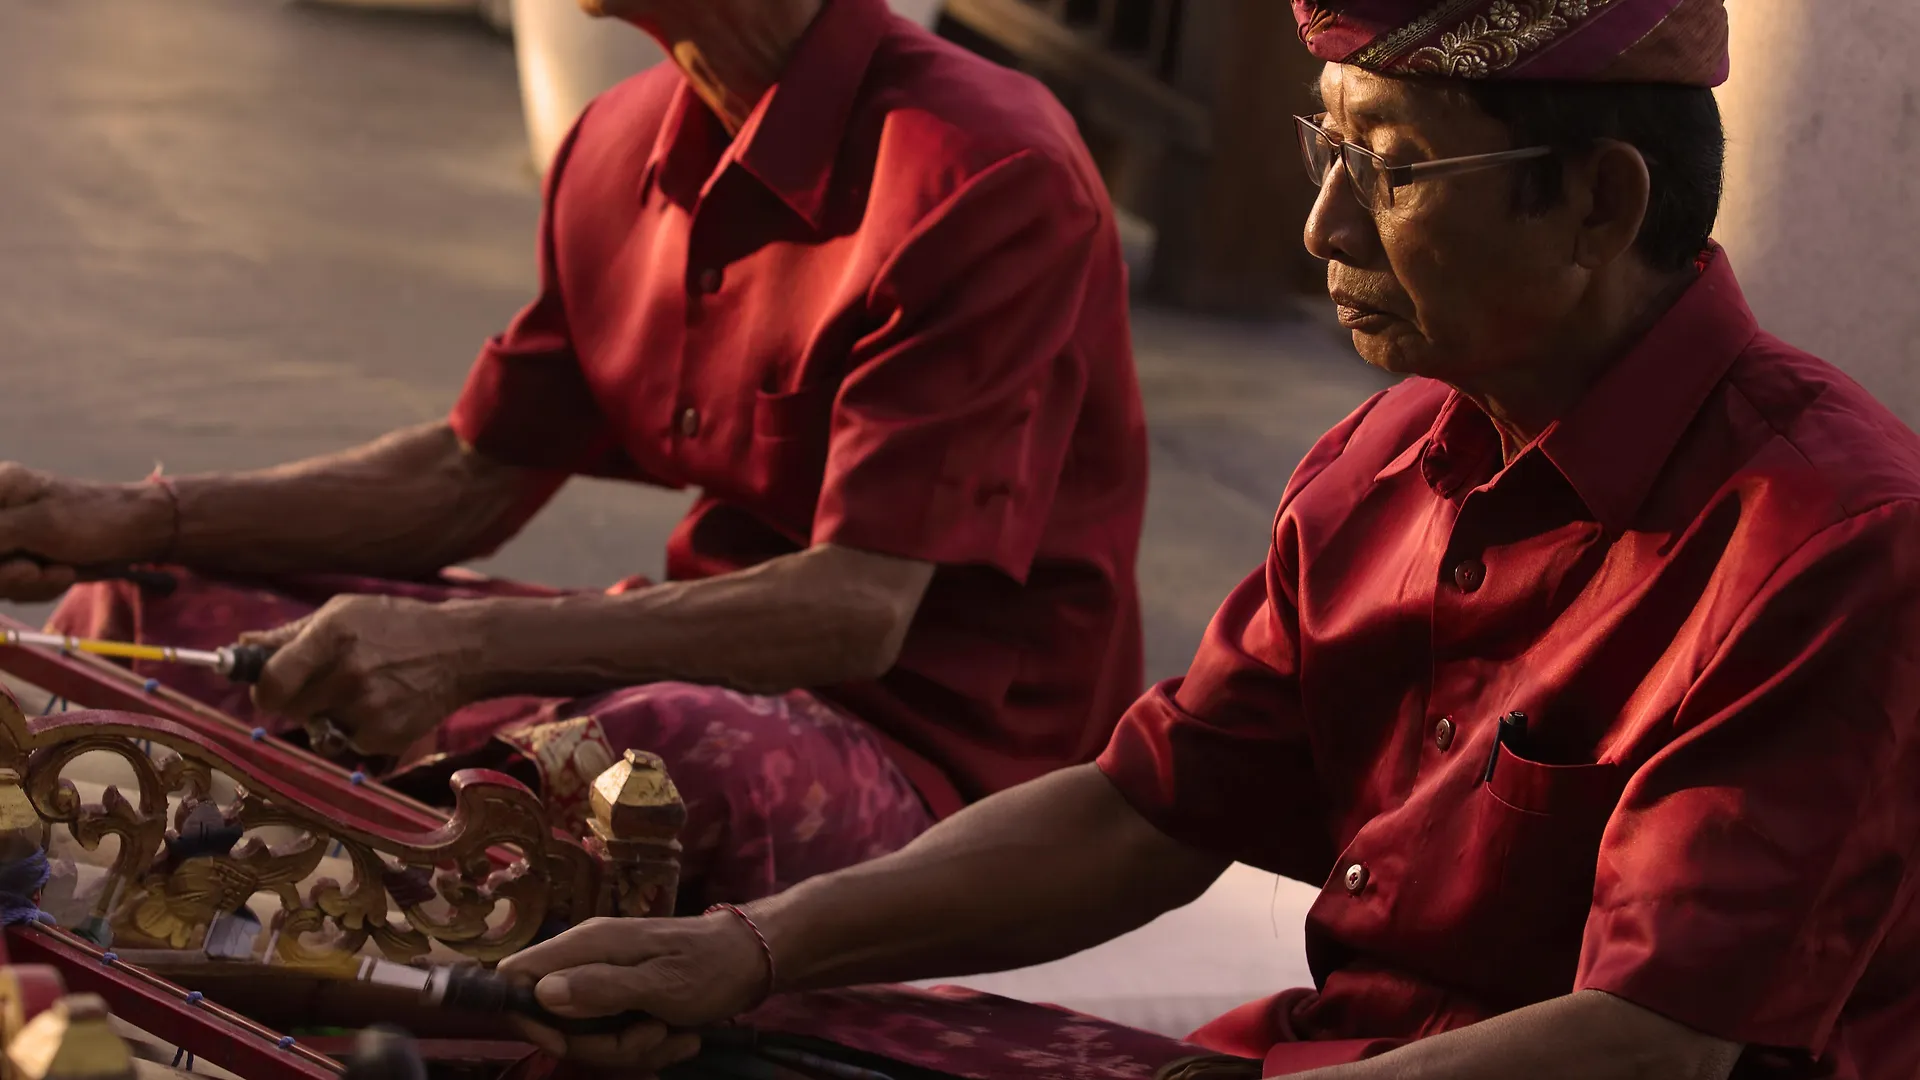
<point x="1582" y="676"/>
<point x="860" y="287"/>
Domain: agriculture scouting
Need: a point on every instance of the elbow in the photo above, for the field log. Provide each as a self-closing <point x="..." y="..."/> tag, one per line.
<point x="847" y="613"/>
<point x="823" y="642"/>
<point x="1707" y="1059"/>
<point x="869" y="629"/>
<point x="1644" y="1043"/>
<point x="875" y="630"/>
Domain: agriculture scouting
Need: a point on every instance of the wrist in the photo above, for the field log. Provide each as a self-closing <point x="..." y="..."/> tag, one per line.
<point x="151" y="515"/>
<point x="482" y="633"/>
<point x="564" y="645"/>
<point x="783" y="925"/>
<point x="770" y="985"/>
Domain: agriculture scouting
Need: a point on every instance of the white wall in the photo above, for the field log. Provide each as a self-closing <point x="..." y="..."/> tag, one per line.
<point x="1822" y="215"/>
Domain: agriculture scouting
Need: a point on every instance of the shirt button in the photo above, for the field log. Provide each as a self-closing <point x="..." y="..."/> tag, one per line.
<point x="1443" y="733"/>
<point x="690" y="423"/>
<point x="1468" y="575"/>
<point x="1356" y="878"/>
<point x="709" y="281"/>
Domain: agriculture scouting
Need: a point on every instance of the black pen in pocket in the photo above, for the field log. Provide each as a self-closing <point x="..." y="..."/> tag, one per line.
<point x="1510" y="734"/>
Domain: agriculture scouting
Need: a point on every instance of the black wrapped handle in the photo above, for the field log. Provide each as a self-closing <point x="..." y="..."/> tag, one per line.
<point x="158" y="582"/>
<point x="479" y="990"/>
<point x="248" y="661"/>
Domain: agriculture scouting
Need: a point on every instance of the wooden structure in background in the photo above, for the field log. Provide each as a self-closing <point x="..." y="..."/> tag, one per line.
<point x="1187" y="106"/>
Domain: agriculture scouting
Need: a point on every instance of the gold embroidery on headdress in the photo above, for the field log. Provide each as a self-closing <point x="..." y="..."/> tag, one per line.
<point x="1385" y="49"/>
<point x="1498" y="39"/>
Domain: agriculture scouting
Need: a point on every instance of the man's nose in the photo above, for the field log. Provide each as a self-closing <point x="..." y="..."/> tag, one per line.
<point x="1338" y="227"/>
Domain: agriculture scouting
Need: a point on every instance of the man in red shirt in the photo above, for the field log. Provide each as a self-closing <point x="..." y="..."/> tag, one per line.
<point x="861" y="288"/>
<point x="1583" y="673"/>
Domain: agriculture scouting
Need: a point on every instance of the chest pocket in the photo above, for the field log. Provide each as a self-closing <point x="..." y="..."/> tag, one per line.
<point x="787" y="451"/>
<point x="793" y="415"/>
<point x="1537" y="831"/>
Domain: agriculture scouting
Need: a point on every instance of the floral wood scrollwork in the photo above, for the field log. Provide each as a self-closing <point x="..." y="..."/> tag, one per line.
<point x="406" y="892"/>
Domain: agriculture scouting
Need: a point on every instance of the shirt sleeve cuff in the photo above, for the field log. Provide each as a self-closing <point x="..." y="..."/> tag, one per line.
<point x="956" y="525"/>
<point x="1721" y="974"/>
<point x="531" y="411"/>
<point x="1170" y="771"/>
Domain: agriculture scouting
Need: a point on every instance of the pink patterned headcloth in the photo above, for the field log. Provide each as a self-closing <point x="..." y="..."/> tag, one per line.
<point x="1667" y="41"/>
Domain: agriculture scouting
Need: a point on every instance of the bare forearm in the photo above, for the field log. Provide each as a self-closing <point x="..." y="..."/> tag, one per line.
<point x="1027" y="876"/>
<point x="1584" y="1036"/>
<point x="406" y="504"/>
<point x="816" y="618"/>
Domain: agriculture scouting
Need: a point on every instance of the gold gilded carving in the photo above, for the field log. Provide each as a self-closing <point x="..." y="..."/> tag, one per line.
<point x="74" y="1040"/>
<point x="405" y="892"/>
<point x="635" y="829"/>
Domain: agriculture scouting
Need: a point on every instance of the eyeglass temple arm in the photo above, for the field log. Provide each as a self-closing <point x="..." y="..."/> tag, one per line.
<point x="1402" y="175"/>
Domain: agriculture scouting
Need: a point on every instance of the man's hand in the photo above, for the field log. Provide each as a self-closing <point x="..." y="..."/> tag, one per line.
<point x="1072" y="864"/>
<point x="51" y="528"/>
<point x="385" y="671"/>
<point x="686" y="973"/>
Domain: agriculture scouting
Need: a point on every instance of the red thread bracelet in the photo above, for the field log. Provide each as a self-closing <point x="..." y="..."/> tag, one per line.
<point x="766" y="950"/>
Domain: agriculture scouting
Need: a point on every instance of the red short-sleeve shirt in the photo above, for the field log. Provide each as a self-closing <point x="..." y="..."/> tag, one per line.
<point x="1702" y="590"/>
<point x="890" y="314"/>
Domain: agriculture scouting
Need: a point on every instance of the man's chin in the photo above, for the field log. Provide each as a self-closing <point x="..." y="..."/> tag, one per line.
<point x="1380" y="350"/>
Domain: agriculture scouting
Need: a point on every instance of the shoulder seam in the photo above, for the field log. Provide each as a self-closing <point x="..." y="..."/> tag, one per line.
<point x="1806" y="542"/>
<point x="1845" y="511"/>
<point x="1358" y="420"/>
<point x="934" y="213"/>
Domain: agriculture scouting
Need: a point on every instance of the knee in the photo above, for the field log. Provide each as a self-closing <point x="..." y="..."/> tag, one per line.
<point x="95" y="609"/>
<point x="710" y="738"/>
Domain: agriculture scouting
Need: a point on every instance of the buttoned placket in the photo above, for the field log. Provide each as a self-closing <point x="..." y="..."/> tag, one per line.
<point x="703" y="279"/>
<point x="1470" y="689"/>
<point x="1444" y="714"/>
<point x="666" y="408"/>
<point x="1357" y="875"/>
<point x="1454" y="690"/>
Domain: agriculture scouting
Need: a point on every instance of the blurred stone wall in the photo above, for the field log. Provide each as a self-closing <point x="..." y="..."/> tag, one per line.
<point x="1822" y="214"/>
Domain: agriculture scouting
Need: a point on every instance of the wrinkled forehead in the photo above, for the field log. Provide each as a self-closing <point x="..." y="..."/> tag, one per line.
<point x="1357" y="100"/>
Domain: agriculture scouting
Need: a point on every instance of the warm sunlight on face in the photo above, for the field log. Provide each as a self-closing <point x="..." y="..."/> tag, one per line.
<point x="1451" y="279"/>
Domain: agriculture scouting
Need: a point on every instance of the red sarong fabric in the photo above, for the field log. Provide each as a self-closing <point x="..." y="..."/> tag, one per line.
<point x="962" y="1033"/>
<point x="948" y="1031"/>
<point x="778" y="788"/>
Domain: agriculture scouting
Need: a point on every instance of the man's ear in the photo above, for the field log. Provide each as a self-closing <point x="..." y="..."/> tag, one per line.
<point x="1612" y="184"/>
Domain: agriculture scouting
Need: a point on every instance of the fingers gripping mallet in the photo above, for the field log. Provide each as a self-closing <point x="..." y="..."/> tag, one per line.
<point x="243" y="664"/>
<point x="473" y="989"/>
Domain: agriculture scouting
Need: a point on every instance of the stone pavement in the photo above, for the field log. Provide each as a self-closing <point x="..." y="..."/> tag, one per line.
<point x="234" y="232"/>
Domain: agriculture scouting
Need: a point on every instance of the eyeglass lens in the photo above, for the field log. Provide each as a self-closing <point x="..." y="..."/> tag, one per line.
<point x="1321" y="153"/>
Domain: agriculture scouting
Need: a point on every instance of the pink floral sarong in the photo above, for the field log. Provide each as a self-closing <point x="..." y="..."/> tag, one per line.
<point x="778" y="788"/>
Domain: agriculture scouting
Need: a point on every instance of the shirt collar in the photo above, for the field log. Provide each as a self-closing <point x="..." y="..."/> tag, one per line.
<point x="1459" y="447"/>
<point x="792" y="138"/>
<point x="1612" y="446"/>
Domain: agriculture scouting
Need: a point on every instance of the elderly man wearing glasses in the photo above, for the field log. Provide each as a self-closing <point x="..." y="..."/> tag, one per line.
<point x="1582" y="674"/>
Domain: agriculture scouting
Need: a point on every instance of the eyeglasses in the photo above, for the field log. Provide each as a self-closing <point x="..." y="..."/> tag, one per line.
<point x="1373" y="180"/>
